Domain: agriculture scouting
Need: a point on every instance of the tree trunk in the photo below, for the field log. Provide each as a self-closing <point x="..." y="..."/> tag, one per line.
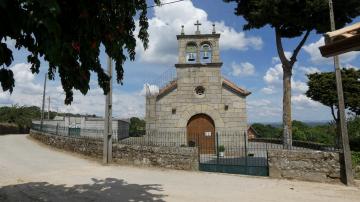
<point x="287" y="132"/>
<point x="337" y="138"/>
<point x="338" y="131"/>
<point x="287" y="73"/>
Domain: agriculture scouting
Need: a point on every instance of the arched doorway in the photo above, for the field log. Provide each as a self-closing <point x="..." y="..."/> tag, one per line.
<point x="201" y="132"/>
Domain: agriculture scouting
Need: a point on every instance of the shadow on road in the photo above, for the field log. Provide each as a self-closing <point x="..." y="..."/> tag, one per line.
<point x="109" y="189"/>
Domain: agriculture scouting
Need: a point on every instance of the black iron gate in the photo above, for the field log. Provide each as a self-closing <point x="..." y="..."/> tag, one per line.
<point x="233" y="154"/>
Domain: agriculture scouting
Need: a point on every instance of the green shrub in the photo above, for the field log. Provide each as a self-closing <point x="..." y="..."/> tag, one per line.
<point x="356" y="162"/>
<point x="221" y="148"/>
<point x="355" y="158"/>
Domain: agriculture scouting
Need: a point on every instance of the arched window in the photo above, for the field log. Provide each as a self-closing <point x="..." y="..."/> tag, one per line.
<point x="191" y="52"/>
<point x="205" y="53"/>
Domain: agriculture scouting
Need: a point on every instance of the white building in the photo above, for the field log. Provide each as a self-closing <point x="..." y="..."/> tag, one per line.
<point x="86" y="126"/>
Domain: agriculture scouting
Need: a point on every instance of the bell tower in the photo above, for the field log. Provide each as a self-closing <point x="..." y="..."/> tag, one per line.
<point x="198" y="50"/>
<point x="198" y="69"/>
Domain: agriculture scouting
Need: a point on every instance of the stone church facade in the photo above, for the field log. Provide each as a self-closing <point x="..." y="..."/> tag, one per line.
<point x="199" y="100"/>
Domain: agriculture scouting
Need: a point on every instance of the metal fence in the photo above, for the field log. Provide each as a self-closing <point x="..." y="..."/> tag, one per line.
<point x="96" y="134"/>
<point x="230" y="151"/>
<point x="233" y="152"/>
<point x="150" y="138"/>
<point x="230" y="140"/>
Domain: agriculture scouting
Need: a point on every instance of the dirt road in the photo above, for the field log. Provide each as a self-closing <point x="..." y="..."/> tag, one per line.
<point x="30" y="171"/>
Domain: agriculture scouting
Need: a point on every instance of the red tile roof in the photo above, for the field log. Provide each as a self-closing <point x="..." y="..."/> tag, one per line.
<point x="235" y="87"/>
<point x="173" y="84"/>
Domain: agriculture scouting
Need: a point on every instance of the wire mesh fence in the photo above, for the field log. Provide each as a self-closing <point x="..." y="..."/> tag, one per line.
<point x="150" y="138"/>
<point x="231" y="143"/>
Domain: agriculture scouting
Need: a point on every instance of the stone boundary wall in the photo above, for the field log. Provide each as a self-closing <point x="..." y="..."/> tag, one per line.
<point x="6" y="128"/>
<point x="306" y="165"/>
<point x="181" y="158"/>
<point x="86" y="146"/>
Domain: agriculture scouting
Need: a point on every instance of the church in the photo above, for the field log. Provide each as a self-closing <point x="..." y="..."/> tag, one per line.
<point x="199" y="101"/>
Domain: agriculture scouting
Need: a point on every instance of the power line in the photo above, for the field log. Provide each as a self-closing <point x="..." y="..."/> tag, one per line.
<point x="171" y="2"/>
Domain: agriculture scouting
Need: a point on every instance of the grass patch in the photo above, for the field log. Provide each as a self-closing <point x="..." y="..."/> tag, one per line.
<point x="356" y="163"/>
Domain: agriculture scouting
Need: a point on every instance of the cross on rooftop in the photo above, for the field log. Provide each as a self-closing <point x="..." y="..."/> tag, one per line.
<point x="198" y="26"/>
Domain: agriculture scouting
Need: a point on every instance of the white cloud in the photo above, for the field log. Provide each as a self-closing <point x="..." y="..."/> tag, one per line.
<point x="242" y="69"/>
<point x="166" y="24"/>
<point x="28" y="91"/>
<point x="149" y="89"/>
<point x="23" y="79"/>
<point x="22" y="72"/>
<point x="9" y="42"/>
<point x="264" y="108"/>
<point x="299" y="86"/>
<point x="349" y="66"/>
<point x="274" y="79"/>
<point x="260" y="103"/>
<point x="303" y="101"/>
<point x="315" y="56"/>
<point x="276" y="59"/>
<point x="309" y="70"/>
<point x="231" y="39"/>
<point x="274" y="75"/>
<point x="268" y="90"/>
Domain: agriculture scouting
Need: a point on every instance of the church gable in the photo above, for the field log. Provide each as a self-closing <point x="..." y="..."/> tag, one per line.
<point x="234" y="88"/>
<point x="167" y="89"/>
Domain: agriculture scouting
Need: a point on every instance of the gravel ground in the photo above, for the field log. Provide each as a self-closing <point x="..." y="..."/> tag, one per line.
<point x="30" y="171"/>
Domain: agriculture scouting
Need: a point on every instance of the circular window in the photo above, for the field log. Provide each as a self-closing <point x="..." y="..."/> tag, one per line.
<point x="200" y="90"/>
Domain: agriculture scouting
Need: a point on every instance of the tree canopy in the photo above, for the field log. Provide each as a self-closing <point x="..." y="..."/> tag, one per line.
<point x="19" y="115"/>
<point x="322" y="88"/>
<point x="68" y="35"/>
<point x="137" y="126"/>
<point x="295" y="17"/>
<point x="291" y="19"/>
<point x="23" y="115"/>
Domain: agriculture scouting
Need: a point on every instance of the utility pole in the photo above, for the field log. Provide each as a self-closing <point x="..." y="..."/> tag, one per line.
<point x="43" y="105"/>
<point x="49" y="109"/>
<point x="348" y="178"/>
<point x="107" y="150"/>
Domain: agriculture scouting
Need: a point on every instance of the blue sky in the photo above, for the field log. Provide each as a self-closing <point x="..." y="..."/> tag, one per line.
<point x="250" y="60"/>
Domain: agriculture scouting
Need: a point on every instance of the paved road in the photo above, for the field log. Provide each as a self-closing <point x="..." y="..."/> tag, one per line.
<point x="30" y="171"/>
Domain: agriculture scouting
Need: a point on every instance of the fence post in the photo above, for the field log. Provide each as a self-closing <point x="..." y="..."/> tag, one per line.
<point x="57" y="128"/>
<point x="217" y="149"/>
<point x="246" y="154"/>
<point x="197" y="143"/>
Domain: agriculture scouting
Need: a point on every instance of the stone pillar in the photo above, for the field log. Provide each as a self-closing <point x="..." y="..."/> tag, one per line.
<point x="150" y="116"/>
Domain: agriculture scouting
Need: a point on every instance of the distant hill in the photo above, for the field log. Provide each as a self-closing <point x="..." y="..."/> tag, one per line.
<point x="308" y="123"/>
<point x="22" y="115"/>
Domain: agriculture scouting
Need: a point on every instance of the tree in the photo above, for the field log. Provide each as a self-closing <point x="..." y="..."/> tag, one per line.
<point x="19" y="115"/>
<point x="322" y="88"/>
<point x="291" y="19"/>
<point x="68" y="35"/>
<point x="266" y="131"/>
<point x="137" y="126"/>
<point x="354" y="133"/>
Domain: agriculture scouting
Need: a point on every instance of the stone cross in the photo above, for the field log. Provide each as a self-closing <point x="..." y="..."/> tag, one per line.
<point x="197" y="25"/>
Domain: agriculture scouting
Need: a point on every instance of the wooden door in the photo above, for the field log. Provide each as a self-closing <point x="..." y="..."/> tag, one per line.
<point x="201" y="132"/>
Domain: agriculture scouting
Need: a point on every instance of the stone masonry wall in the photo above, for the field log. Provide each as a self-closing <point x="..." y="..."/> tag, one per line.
<point x="86" y="146"/>
<point x="181" y="158"/>
<point x="184" y="100"/>
<point x="304" y="165"/>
